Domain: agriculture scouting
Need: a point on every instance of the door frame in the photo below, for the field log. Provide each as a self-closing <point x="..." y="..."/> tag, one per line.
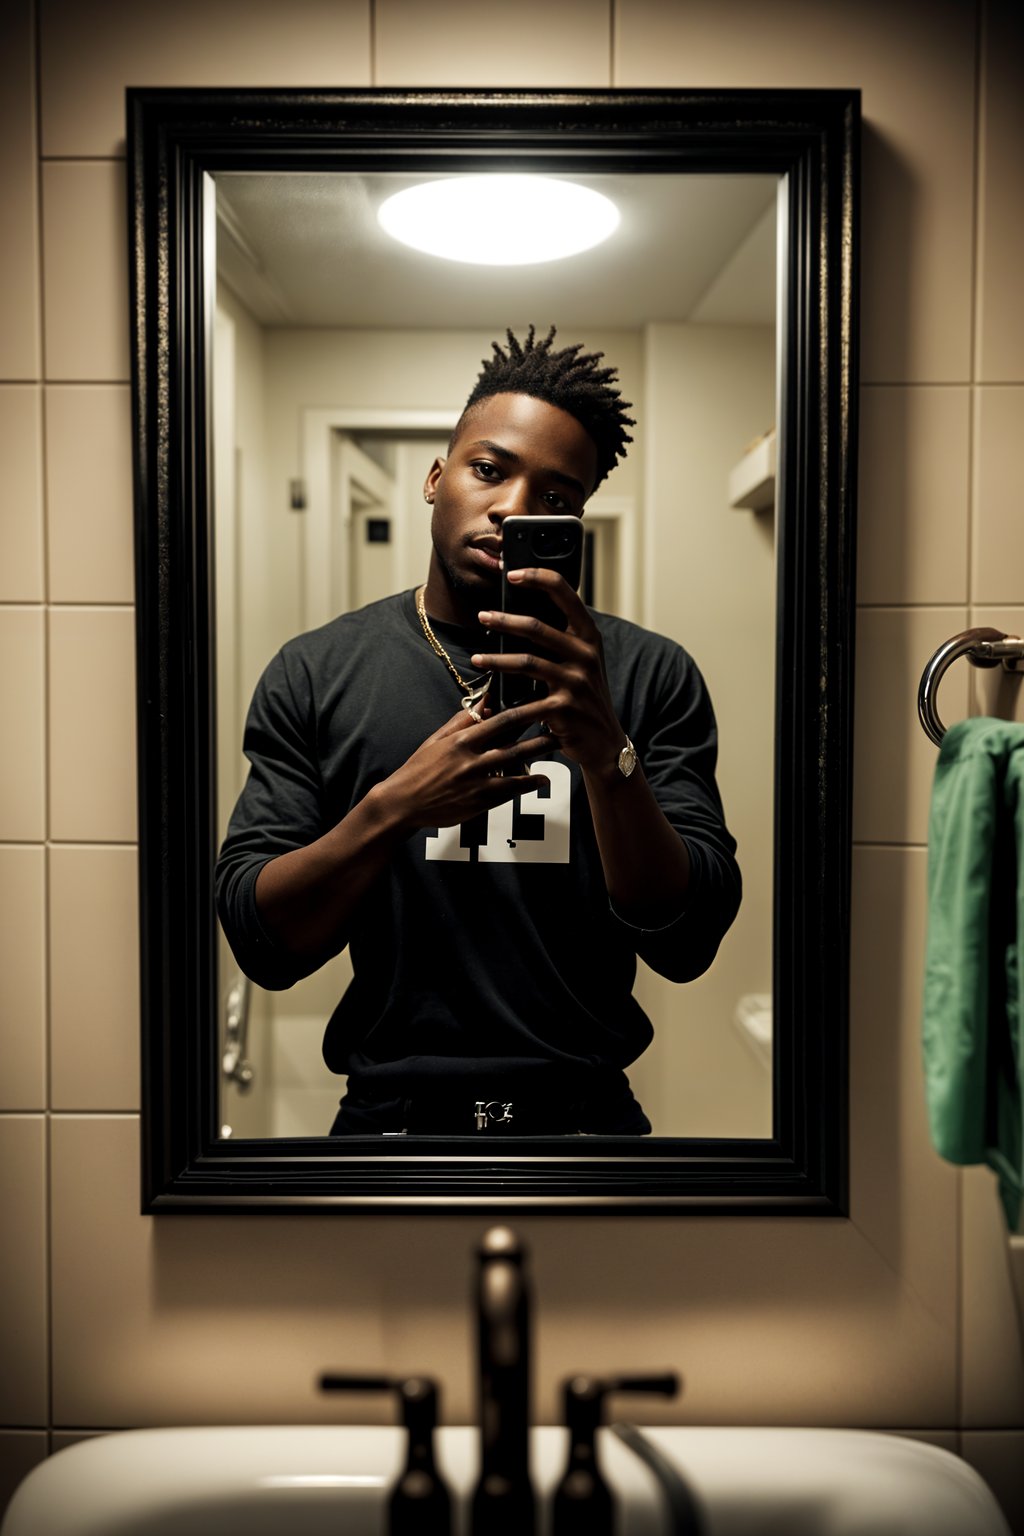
<point x="319" y="424"/>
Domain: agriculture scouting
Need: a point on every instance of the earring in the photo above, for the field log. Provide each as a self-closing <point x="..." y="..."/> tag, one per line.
<point x="428" y="499"/>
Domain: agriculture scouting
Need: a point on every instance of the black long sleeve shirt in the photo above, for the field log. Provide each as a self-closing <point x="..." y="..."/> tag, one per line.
<point x="494" y="942"/>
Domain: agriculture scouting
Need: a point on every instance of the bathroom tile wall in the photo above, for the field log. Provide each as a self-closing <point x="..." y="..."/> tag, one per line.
<point x="900" y="1317"/>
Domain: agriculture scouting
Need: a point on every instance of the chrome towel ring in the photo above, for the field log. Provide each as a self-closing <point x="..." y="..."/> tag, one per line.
<point x="983" y="648"/>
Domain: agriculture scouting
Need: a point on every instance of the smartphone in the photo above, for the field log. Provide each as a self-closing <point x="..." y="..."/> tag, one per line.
<point x="556" y="544"/>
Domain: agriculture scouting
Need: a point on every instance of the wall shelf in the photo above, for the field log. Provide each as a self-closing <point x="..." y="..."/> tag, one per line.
<point x="752" y="480"/>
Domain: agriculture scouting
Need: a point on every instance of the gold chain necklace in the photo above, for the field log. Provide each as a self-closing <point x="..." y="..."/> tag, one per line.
<point x="474" y="691"/>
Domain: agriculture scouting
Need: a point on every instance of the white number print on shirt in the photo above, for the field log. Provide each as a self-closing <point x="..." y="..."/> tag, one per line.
<point x="533" y="829"/>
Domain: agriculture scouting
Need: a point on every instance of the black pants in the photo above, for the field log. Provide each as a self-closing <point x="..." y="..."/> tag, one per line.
<point x="491" y="1107"/>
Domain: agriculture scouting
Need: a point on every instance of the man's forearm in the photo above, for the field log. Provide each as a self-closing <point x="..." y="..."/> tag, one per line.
<point x="307" y="899"/>
<point x="646" y="863"/>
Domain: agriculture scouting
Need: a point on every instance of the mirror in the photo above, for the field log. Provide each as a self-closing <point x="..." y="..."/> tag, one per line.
<point x="330" y="360"/>
<point x="296" y="373"/>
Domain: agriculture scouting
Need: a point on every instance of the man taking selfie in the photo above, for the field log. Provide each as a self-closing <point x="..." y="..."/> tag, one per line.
<point x="495" y="872"/>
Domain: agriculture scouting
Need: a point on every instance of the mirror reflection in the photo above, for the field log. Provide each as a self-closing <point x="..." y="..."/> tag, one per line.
<point x="341" y="364"/>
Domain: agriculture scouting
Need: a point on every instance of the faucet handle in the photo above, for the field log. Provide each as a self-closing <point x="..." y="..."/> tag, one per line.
<point x="667" y="1384"/>
<point x="584" y="1396"/>
<point x="420" y="1504"/>
<point x="333" y="1381"/>
<point x="583" y="1501"/>
<point x="417" y="1395"/>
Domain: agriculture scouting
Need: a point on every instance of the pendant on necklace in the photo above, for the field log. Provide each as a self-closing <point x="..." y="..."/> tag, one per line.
<point x="475" y="696"/>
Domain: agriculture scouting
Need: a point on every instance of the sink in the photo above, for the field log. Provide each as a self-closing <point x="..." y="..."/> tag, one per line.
<point x="307" y="1480"/>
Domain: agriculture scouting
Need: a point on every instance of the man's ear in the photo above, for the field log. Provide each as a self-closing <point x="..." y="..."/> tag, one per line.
<point x="433" y="476"/>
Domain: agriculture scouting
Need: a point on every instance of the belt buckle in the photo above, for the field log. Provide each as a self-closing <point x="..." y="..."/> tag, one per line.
<point x="490" y="1112"/>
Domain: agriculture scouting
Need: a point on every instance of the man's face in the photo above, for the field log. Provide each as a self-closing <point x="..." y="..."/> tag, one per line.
<point x="513" y="455"/>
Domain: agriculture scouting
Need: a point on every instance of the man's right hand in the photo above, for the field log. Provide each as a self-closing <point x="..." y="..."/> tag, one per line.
<point x="465" y="768"/>
<point x="309" y="898"/>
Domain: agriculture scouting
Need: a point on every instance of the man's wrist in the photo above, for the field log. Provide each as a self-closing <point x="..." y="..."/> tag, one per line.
<point x="610" y="767"/>
<point x="388" y="812"/>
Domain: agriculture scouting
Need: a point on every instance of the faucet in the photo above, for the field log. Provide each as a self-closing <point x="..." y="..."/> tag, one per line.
<point x="420" y="1504"/>
<point x="503" y="1500"/>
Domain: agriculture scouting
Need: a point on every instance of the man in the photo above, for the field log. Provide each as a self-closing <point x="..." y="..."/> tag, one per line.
<point x="495" y="873"/>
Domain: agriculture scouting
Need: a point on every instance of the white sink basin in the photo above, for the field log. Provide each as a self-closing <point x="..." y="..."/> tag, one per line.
<point x="307" y="1480"/>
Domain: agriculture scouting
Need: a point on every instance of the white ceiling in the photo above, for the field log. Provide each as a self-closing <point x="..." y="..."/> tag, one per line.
<point x="305" y="249"/>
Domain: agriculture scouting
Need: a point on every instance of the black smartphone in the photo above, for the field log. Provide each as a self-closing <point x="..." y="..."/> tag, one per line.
<point x="555" y="543"/>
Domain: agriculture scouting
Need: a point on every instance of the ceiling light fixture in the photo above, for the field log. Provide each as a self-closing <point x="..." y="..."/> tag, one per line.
<point x="499" y="221"/>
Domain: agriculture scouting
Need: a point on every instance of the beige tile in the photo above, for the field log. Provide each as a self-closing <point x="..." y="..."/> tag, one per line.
<point x="999" y="1458"/>
<point x="1000" y="330"/>
<point x="21" y="522"/>
<point x="995" y="691"/>
<point x="998" y="522"/>
<point x="781" y="1324"/>
<point x="94" y="979"/>
<point x="1017" y="1275"/>
<point x="154" y="1319"/>
<point x="894" y="761"/>
<point x="19" y="288"/>
<point x="22" y="695"/>
<point x="22" y="978"/>
<point x="944" y="1439"/>
<point x="23" y="1319"/>
<point x="992" y="1368"/>
<point x="914" y="63"/>
<point x="92" y="725"/>
<point x="912" y="495"/>
<point x="505" y="43"/>
<point x="62" y="1439"/>
<point x="89" y="493"/>
<point x="784" y="1321"/>
<point x="20" y="1451"/>
<point x="90" y="56"/>
<point x="903" y="1195"/>
<point x="85" y="271"/>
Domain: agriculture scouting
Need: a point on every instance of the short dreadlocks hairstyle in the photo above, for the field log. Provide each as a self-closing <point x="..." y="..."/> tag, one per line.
<point x="568" y="378"/>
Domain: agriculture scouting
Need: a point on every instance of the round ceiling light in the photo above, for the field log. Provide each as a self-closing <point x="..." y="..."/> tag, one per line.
<point x="499" y="221"/>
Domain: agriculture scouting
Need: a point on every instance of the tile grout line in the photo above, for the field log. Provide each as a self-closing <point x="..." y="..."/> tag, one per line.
<point x="950" y="607"/>
<point x="935" y="384"/>
<point x="612" y="22"/>
<point x="82" y="605"/>
<point x="55" y="383"/>
<point x="972" y="697"/>
<point x="45" y="526"/>
<point x="889" y="843"/>
<point x="972" y="456"/>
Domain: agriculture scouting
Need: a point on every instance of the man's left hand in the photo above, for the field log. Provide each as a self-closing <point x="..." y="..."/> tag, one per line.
<point x="578" y="711"/>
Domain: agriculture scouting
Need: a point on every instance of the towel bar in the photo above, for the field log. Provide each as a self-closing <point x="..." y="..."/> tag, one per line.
<point x="983" y="648"/>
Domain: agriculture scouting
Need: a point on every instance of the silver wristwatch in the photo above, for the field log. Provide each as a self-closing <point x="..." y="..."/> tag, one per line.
<point x="627" y="759"/>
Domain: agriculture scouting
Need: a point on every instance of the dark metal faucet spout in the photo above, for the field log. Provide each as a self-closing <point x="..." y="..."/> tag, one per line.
<point x="503" y="1501"/>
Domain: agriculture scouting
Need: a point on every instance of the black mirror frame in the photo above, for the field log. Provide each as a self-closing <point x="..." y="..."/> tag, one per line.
<point x="811" y="138"/>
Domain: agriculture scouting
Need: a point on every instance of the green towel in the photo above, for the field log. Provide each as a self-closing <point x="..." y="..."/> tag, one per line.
<point x="973" y="1031"/>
